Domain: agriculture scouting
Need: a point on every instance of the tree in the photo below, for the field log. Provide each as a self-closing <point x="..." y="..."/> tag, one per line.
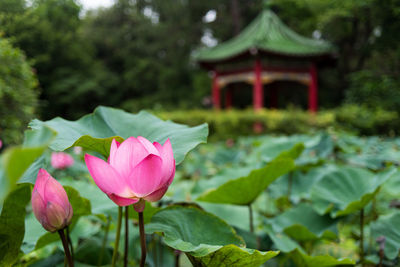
<point x="49" y="33"/>
<point x="18" y="93"/>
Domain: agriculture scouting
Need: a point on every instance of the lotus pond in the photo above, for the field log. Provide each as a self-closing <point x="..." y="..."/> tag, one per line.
<point x="324" y="199"/>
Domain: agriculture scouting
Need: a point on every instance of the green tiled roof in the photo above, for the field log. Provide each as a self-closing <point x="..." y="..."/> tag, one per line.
<point x="266" y="33"/>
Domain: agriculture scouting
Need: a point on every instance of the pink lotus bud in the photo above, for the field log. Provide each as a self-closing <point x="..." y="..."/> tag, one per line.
<point x="61" y="160"/>
<point x="50" y="203"/>
<point x="136" y="169"/>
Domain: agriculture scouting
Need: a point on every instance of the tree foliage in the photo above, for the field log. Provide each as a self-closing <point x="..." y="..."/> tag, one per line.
<point x="18" y="92"/>
<point x="137" y="54"/>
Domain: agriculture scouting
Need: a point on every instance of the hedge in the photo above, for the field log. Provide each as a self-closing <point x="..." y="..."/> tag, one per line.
<point x="234" y="123"/>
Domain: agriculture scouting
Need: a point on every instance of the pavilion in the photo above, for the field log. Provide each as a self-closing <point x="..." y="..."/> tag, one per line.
<point x="264" y="52"/>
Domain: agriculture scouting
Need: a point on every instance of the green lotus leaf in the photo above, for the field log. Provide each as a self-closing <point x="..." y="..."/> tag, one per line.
<point x="244" y="190"/>
<point x="302" y="223"/>
<point x="95" y="131"/>
<point x="281" y="241"/>
<point x="388" y="227"/>
<point x="206" y="239"/>
<point x="12" y="224"/>
<point x="347" y="189"/>
<point x="304" y="260"/>
<point x="231" y="255"/>
<point x="301" y="183"/>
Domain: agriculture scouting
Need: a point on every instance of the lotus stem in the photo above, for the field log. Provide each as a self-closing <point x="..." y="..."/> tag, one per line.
<point x="362" y="237"/>
<point x="142" y="239"/>
<point x="103" y="245"/>
<point x="126" y="236"/>
<point x="290" y="181"/>
<point x="177" y="257"/>
<point x="251" y="219"/>
<point x="115" y="253"/>
<point x="70" y="243"/>
<point x="381" y="241"/>
<point x="66" y="248"/>
<point x="155" y="245"/>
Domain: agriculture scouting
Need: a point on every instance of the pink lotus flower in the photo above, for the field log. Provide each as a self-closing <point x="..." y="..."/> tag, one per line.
<point x="50" y="203"/>
<point x="61" y="160"/>
<point x="136" y="170"/>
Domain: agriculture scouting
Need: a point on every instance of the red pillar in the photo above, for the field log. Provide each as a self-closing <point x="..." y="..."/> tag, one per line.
<point x="228" y="97"/>
<point x="313" y="90"/>
<point x="258" y="96"/>
<point x="216" y="91"/>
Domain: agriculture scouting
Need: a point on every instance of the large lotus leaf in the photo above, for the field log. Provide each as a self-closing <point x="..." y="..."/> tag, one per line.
<point x="347" y="189"/>
<point x="190" y="229"/>
<point x="16" y="160"/>
<point x="30" y="174"/>
<point x="301" y="183"/>
<point x="206" y="239"/>
<point x="303" y="224"/>
<point x="244" y="190"/>
<point x="231" y="255"/>
<point x="271" y="147"/>
<point x="390" y="190"/>
<point x="304" y="260"/>
<point x="281" y="241"/>
<point x="388" y="226"/>
<point x="237" y="216"/>
<point x="12" y="224"/>
<point x="95" y="131"/>
<point x="324" y="147"/>
<point x="292" y="153"/>
<point x="315" y="153"/>
<point x="224" y="176"/>
<point x="372" y="162"/>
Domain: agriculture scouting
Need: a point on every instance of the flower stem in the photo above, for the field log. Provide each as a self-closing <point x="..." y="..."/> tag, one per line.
<point x="126" y="236"/>
<point x="142" y="239"/>
<point x="362" y="237"/>
<point x="66" y="247"/>
<point x="115" y="253"/>
<point x="103" y="245"/>
<point x="251" y="219"/>
<point x="70" y="243"/>
<point x="290" y="182"/>
<point x="177" y="256"/>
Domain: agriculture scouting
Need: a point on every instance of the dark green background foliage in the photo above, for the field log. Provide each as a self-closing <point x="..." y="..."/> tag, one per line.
<point x="18" y="93"/>
<point x="137" y="54"/>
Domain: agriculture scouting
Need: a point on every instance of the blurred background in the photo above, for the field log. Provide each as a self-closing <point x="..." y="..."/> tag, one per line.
<point x="65" y="57"/>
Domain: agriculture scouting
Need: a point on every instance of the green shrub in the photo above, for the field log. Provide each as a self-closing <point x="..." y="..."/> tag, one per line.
<point x="234" y="123"/>
<point x="367" y="121"/>
<point x="374" y="89"/>
<point x="18" y="93"/>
